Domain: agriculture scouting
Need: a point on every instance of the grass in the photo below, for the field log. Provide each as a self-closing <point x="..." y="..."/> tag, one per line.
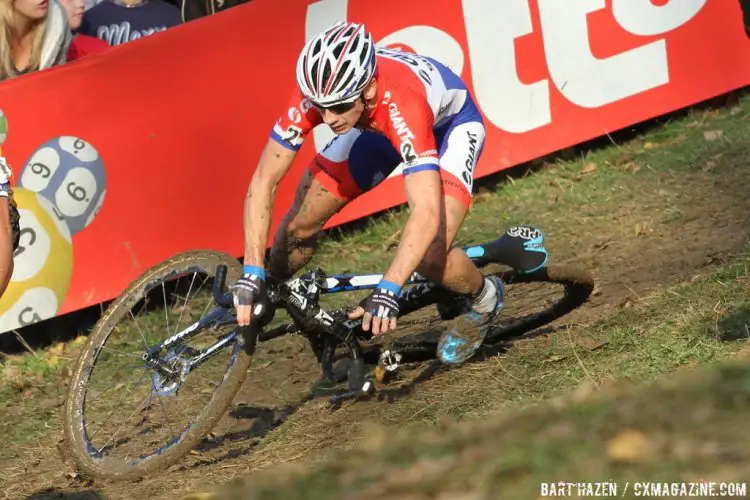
<point x="659" y="219"/>
<point x="653" y="211"/>
<point x="685" y="429"/>
<point x="684" y="326"/>
<point x="642" y="181"/>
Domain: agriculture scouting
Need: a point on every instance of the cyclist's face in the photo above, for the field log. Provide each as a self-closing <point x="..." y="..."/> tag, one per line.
<point x="342" y="117"/>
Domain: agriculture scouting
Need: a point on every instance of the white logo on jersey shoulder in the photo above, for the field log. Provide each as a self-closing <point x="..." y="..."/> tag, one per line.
<point x="305" y="105"/>
<point x="294" y="115"/>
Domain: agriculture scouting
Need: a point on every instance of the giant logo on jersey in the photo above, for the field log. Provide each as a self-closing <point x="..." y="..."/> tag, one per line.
<point x="472" y="159"/>
<point x="404" y="133"/>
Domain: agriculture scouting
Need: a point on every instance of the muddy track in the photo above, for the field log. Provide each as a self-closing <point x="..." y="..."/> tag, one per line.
<point x="627" y="265"/>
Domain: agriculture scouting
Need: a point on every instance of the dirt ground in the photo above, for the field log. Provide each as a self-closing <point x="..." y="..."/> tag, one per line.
<point x="629" y="260"/>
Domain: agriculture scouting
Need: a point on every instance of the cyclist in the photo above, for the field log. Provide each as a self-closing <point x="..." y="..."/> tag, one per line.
<point x="387" y="108"/>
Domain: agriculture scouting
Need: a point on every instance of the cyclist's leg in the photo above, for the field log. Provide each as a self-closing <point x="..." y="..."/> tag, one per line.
<point x="297" y="234"/>
<point x="349" y="165"/>
<point x="460" y="147"/>
<point x="451" y="267"/>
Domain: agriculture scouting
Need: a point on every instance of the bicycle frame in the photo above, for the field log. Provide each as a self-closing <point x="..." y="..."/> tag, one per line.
<point x="299" y="296"/>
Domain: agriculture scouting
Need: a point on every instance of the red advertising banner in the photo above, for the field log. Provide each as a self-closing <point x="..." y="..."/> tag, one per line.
<point x="126" y="157"/>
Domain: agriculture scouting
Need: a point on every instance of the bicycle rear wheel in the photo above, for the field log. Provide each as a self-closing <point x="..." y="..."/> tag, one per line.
<point x="103" y="432"/>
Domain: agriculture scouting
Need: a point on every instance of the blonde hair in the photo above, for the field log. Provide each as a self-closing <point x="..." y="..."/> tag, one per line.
<point x="8" y="19"/>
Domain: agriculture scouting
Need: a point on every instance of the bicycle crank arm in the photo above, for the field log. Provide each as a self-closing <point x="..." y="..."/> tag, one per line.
<point x="367" y="388"/>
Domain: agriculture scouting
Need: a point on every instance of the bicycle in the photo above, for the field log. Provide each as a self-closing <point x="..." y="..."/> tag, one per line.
<point x="172" y="365"/>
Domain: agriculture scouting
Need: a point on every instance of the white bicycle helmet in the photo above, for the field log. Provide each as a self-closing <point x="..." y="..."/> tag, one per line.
<point x="337" y="64"/>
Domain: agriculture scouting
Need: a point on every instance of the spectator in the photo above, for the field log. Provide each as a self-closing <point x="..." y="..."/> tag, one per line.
<point x="9" y="228"/>
<point x="121" y="21"/>
<point x="81" y="44"/>
<point x="34" y="35"/>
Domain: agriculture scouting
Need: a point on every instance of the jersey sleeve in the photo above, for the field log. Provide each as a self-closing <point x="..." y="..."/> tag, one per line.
<point x="296" y="122"/>
<point x="411" y="133"/>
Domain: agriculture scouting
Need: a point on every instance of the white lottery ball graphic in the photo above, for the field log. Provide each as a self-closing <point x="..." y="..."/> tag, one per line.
<point x="69" y="172"/>
<point x="42" y="264"/>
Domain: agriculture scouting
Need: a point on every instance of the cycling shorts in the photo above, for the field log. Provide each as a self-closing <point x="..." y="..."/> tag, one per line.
<point x="357" y="161"/>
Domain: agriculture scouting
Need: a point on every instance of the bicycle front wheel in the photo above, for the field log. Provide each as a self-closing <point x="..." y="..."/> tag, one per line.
<point x="124" y="418"/>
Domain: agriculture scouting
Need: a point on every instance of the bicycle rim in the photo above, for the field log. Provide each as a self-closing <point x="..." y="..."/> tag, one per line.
<point x="80" y="425"/>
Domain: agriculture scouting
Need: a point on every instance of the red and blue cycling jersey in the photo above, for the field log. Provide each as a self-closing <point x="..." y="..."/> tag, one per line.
<point x="419" y="102"/>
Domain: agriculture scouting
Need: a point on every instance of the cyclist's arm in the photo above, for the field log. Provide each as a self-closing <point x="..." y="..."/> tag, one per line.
<point x="274" y="163"/>
<point x="413" y="136"/>
<point x="424" y="194"/>
<point x="6" y="245"/>
<point x="287" y="137"/>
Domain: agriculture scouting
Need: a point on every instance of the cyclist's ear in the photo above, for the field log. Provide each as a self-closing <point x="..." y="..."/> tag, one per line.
<point x="371" y="90"/>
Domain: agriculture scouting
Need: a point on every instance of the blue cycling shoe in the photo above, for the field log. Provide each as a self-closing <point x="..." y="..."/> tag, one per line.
<point x="469" y="329"/>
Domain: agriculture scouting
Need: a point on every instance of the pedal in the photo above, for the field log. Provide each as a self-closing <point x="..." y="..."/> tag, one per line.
<point x="388" y="363"/>
<point x="367" y="388"/>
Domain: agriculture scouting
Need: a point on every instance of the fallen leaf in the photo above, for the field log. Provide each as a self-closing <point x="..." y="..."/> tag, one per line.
<point x="642" y="229"/>
<point x="554" y="358"/>
<point x="81" y="339"/>
<point x="649" y="145"/>
<point x="735" y="110"/>
<point x="589" y="168"/>
<point x="596" y="291"/>
<point x="193" y="452"/>
<point x="627" y="303"/>
<point x="631" y="167"/>
<point x="712" y="135"/>
<point x="590" y="343"/>
<point x="630" y="446"/>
